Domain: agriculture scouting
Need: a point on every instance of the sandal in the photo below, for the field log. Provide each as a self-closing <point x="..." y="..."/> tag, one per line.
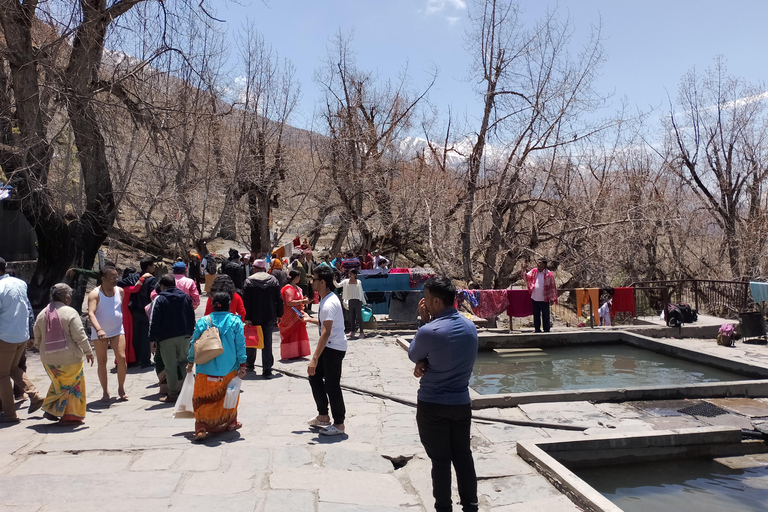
<point x="331" y="431"/>
<point x="234" y="426"/>
<point x="200" y="436"/>
<point x="314" y="422"/>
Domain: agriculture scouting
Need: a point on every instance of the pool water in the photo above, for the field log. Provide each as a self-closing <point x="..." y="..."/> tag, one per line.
<point x="586" y="366"/>
<point x="681" y="486"/>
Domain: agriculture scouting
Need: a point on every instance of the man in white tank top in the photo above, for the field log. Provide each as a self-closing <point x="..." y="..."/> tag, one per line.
<point x="105" y="310"/>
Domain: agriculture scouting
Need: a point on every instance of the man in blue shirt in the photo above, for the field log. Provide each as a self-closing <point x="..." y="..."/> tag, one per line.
<point x="444" y="350"/>
<point x="16" y="317"/>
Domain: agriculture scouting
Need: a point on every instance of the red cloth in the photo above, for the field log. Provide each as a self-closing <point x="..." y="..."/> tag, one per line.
<point x="236" y="306"/>
<point x="623" y="301"/>
<point x="368" y="263"/>
<point x="520" y="304"/>
<point x="491" y="303"/>
<point x="130" y="355"/>
<point x="296" y="242"/>
<point x="399" y="271"/>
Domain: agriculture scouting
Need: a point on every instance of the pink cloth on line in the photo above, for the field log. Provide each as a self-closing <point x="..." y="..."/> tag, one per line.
<point x="520" y="304"/>
<point x="490" y="303"/>
<point x="399" y="271"/>
<point x="55" y="339"/>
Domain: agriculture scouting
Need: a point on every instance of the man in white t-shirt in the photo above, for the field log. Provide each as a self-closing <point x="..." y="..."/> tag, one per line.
<point x="325" y="367"/>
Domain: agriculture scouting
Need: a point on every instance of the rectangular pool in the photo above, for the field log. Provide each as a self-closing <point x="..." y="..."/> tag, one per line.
<point x="681" y="486"/>
<point x="586" y="366"/>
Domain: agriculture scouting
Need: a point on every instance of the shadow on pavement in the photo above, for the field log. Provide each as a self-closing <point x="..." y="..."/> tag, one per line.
<point x="214" y="439"/>
<point x="55" y="428"/>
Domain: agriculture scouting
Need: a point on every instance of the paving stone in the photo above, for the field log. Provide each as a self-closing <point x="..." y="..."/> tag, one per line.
<point x="82" y="464"/>
<point x="493" y="465"/>
<point x="218" y="483"/>
<point x="353" y="487"/>
<point x="744" y="406"/>
<point x="97" y="486"/>
<point x="554" y="504"/>
<point x="235" y="458"/>
<point x="516" y="489"/>
<point x="351" y="460"/>
<point x="343" y="507"/>
<point x="290" y="457"/>
<point x="243" y="502"/>
<point x="131" y="505"/>
<point x="156" y="460"/>
<point x="500" y="433"/>
<point x="21" y="507"/>
<point x="285" y="500"/>
<point x="727" y="420"/>
<point x="200" y="458"/>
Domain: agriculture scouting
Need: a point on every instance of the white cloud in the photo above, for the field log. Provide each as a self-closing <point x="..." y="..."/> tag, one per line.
<point x="435" y="6"/>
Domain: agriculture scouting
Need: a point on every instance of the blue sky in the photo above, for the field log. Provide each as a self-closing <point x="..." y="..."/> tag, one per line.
<point x="650" y="44"/>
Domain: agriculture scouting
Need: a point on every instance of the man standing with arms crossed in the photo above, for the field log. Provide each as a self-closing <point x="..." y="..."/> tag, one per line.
<point x="105" y="310"/>
<point x="444" y="350"/>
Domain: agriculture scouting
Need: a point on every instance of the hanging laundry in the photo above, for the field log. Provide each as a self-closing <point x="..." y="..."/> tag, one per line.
<point x="279" y="253"/>
<point x="419" y="276"/>
<point x="585" y="297"/>
<point x="520" y="304"/>
<point x="491" y="303"/>
<point x="759" y="291"/>
<point x="623" y="301"/>
<point x="465" y="295"/>
<point x="297" y="242"/>
<point x="399" y="271"/>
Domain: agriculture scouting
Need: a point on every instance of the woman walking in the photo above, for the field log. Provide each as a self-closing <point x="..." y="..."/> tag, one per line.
<point x="276" y="269"/>
<point x="294" y="341"/>
<point x="224" y="283"/>
<point x="61" y="339"/>
<point x="213" y="377"/>
<point x="354" y="298"/>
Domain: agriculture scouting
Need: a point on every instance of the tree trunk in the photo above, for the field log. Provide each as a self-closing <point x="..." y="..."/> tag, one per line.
<point x="259" y="210"/>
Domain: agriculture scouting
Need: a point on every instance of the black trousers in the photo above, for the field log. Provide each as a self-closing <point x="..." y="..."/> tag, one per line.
<point x="141" y="346"/>
<point x="326" y="384"/>
<point x="267" y="359"/>
<point x="444" y="432"/>
<point x="356" y="315"/>
<point x="541" y="313"/>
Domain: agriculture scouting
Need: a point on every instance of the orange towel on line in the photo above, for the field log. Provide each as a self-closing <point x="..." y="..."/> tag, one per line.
<point x="585" y="296"/>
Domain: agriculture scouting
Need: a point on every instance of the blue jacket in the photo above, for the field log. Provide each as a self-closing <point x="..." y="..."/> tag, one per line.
<point x="172" y="315"/>
<point x="232" y="339"/>
<point x="449" y="344"/>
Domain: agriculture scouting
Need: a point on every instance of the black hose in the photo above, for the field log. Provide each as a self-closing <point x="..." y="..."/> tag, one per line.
<point x="410" y="403"/>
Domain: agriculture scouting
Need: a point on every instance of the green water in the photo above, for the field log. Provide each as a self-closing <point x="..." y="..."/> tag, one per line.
<point x="681" y="486"/>
<point x="586" y="366"/>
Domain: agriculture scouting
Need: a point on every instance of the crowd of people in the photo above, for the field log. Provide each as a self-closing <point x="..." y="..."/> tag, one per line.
<point x="157" y="313"/>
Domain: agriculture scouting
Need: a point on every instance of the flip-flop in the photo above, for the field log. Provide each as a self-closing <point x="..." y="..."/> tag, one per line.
<point x="316" y="423"/>
<point x="200" y="436"/>
<point x="234" y="426"/>
<point x="331" y="431"/>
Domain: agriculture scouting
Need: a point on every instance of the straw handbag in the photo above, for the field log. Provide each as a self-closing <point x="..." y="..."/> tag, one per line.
<point x="208" y="346"/>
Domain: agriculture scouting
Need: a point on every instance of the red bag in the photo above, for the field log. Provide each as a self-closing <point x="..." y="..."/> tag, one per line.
<point x="254" y="336"/>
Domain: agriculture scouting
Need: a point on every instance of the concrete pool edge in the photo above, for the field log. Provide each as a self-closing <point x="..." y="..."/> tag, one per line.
<point x="545" y="456"/>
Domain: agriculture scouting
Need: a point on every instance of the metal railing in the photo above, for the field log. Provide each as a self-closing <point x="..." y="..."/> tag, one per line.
<point x="724" y="299"/>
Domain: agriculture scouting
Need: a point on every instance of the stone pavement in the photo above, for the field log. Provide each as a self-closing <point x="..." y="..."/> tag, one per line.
<point x="134" y="456"/>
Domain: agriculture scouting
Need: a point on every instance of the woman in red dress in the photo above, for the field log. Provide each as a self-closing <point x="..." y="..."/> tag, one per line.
<point x="294" y="341"/>
<point x="224" y="283"/>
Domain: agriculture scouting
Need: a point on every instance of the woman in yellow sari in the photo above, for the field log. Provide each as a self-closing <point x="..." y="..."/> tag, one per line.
<point x="60" y="336"/>
<point x="213" y="377"/>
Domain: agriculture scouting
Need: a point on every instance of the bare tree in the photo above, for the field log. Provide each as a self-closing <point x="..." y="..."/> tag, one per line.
<point x="534" y="95"/>
<point x="715" y="134"/>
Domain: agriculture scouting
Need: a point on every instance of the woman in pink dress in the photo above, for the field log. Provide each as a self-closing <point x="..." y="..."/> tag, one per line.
<point x="294" y="341"/>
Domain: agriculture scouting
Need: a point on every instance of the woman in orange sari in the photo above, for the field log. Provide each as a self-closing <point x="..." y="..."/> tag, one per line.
<point x="294" y="341"/>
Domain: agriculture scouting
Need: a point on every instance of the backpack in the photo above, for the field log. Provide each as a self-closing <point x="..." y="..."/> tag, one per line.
<point x="210" y="265"/>
<point x="689" y="314"/>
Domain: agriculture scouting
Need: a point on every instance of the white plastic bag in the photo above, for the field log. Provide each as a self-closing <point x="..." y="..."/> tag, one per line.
<point x="184" y="407"/>
<point x="233" y="391"/>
